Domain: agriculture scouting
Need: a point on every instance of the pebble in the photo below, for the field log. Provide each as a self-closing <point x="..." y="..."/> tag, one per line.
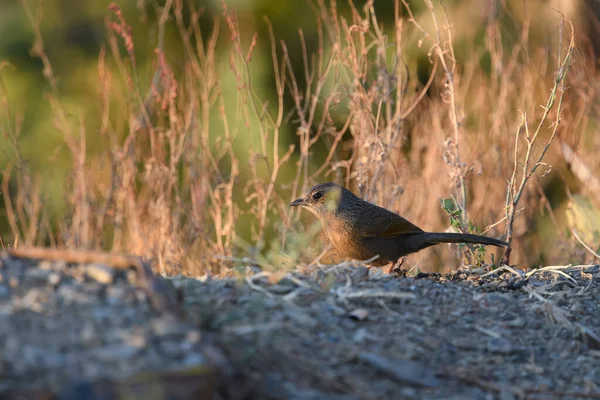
<point x="166" y="326"/>
<point x="100" y="273"/>
<point x="282" y="288"/>
<point x="45" y="265"/>
<point x="137" y="340"/>
<point x="132" y="277"/>
<point x="54" y="279"/>
<point x="516" y="323"/>
<point x="193" y="337"/>
<point x="33" y="300"/>
<point x="40" y="274"/>
<point x="500" y="346"/>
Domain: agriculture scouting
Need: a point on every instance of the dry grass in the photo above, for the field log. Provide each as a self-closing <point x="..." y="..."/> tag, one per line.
<point x="185" y="172"/>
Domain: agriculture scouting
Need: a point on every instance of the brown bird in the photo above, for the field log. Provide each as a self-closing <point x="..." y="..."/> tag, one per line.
<point x="360" y="230"/>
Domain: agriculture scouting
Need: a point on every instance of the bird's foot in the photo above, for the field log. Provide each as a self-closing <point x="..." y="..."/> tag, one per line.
<point x="394" y="267"/>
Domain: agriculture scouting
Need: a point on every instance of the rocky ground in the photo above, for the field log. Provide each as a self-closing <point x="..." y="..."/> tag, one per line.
<point x="78" y="330"/>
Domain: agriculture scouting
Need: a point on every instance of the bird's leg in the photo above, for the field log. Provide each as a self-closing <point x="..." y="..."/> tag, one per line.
<point x="388" y="269"/>
<point x="394" y="266"/>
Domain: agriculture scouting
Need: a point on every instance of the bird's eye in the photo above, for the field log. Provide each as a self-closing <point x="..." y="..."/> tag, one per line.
<point x="317" y="196"/>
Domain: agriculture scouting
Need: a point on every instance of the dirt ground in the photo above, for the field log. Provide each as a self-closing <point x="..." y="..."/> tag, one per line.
<point x="341" y="332"/>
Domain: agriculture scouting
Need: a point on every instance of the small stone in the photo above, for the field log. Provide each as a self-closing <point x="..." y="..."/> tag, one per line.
<point x="284" y="287"/>
<point x="362" y="335"/>
<point x="33" y="300"/>
<point x="166" y="326"/>
<point x="53" y="279"/>
<point x="516" y="323"/>
<point x="500" y="346"/>
<point x="45" y="265"/>
<point x="140" y="296"/>
<point x="100" y="273"/>
<point x="359" y="314"/>
<point x="138" y="341"/>
<point x="193" y="337"/>
<point x="37" y="274"/>
<point x="131" y="277"/>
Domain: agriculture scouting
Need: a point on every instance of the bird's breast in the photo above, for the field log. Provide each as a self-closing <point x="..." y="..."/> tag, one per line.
<point x="346" y="241"/>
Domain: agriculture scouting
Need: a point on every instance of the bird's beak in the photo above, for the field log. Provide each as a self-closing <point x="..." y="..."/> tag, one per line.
<point x="298" y="202"/>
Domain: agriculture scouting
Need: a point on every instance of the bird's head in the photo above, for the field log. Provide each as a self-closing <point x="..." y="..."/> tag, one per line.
<point x="322" y="200"/>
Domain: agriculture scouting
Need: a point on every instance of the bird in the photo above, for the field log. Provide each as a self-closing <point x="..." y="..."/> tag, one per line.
<point x="360" y="230"/>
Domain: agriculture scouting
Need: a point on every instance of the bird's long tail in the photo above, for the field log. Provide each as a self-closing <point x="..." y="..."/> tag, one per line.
<point x="442" y="237"/>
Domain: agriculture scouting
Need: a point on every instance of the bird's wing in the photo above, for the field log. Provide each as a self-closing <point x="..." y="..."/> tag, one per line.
<point x="388" y="225"/>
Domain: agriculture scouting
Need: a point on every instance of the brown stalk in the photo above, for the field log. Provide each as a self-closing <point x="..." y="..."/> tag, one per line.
<point x="514" y="192"/>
